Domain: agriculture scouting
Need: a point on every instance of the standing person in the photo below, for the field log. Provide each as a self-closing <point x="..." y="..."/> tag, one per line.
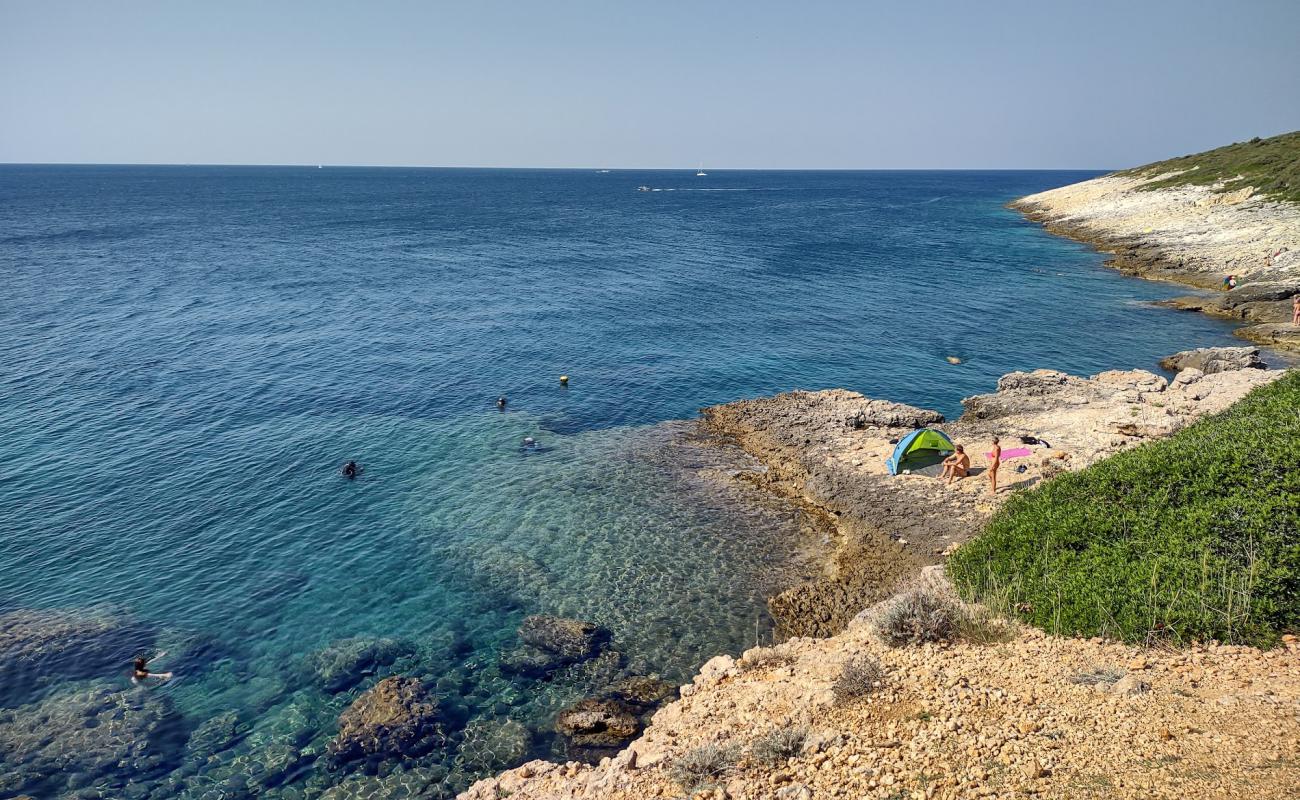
<point x="1295" y="310"/>
<point x="994" y="462"/>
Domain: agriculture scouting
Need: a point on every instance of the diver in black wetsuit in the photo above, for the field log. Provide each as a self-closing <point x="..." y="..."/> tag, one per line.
<point x="351" y="470"/>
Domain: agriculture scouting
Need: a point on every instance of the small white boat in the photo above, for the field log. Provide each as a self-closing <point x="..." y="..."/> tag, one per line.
<point x="602" y="171"/>
<point x="643" y="188"/>
<point x="700" y="173"/>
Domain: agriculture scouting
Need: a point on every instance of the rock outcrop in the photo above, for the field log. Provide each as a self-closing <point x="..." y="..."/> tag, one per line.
<point x="827" y="451"/>
<point x="396" y="718"/>
<point x="1210" y="360"/>
<point x="1191" y="235"/>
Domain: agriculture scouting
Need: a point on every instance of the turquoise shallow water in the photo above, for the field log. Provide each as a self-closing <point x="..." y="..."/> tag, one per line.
<point x="191" y="353"/>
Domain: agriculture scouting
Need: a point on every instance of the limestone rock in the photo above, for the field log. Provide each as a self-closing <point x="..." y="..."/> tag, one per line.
<point x="1210" y="360"/>
<point x="1130" y="686"/>
<point x="395" y="718"/>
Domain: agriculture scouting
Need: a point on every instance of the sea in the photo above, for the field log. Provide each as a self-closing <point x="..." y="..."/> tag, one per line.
<point x="189" y="355"/>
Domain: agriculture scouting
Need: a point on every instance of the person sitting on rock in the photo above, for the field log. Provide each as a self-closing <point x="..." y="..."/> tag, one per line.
<point x="956" y="465"/>
<point x="140" y="672"/>
<point x="1230" y="283"/>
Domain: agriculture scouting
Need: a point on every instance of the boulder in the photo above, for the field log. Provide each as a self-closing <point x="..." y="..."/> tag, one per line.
<point x="346" y="662"/>
<point x="394" y="719"/>
<point x="598" y="723"/>
<point x="89" y="736"/>
<point x="491" y="745"/>
<point x="1210" y="360"/>
<point x="39" y="647"/>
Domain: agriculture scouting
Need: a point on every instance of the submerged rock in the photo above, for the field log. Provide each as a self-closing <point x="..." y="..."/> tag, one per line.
<point x="641" y="692"/>
<point x="346" y="662"/>
<point x="598" y="723"/>
<point x="567" y="638"/>
<point x="95" y="736"/>
<point x="494" y="744"/>
<point x="396" y="718"/>
<point x="426" y="783"/>
<point x="1210" y="360"/>
<point x="43" y="646"/>
<point x="549" y="643"/>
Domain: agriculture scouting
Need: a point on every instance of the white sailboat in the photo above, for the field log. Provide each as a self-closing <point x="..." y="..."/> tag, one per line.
<point x="700" y="173"/>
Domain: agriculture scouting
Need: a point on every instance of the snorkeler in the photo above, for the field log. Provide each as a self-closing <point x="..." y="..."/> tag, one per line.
<point x="501" y="402"/>
<point x="140" y="671"/>
<point x="530" y="442"/>
<point x="351" y="470"/>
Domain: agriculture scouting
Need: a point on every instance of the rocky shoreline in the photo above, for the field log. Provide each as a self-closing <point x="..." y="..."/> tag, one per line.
<point x="1191" y="235"/>
<point x="826" y="451"/>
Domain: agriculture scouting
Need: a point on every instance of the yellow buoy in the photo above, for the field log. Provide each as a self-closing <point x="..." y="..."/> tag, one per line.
<point x="564" y="380"/>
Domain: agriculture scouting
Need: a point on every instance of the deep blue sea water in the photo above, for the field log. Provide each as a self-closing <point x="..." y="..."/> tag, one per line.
<point x="190" y="353"/>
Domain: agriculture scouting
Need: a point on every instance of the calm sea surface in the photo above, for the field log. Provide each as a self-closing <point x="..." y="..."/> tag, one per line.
<point x="189" y="354"/>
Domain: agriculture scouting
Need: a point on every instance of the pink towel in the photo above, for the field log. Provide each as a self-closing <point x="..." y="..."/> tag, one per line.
<point x="1015" y="452"/>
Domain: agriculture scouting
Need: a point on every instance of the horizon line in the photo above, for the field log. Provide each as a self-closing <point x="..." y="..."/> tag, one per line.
<point x="307" y="165"/>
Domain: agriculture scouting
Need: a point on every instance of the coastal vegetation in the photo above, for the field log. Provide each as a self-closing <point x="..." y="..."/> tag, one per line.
<point x="1270" y="165"/>
<point x="1195" y="537"/>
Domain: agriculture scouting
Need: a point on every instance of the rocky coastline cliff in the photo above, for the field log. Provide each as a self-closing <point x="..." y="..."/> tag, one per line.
<point x="1195" y="235"/>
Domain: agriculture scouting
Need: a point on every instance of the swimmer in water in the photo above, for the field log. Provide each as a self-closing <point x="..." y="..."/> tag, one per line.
<point x="140" y="671"/>
<point x="501" y="402"/>
<point x="351" y="470"/>
<point x="530" y="443"/>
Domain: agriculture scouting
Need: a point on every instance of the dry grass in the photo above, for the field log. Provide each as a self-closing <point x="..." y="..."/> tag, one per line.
<point x="859" y="677"/>
<point x="775" y="747"/>
<point x="704" y="766"/>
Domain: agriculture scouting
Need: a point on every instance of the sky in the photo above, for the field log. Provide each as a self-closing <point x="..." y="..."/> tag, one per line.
<point x="931" y="84"/>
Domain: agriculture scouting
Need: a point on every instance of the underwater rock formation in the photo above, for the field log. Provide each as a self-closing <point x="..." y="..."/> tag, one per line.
<point x="396" y="718"/>
<point x="89" y="735"/>
<point x="39" y="647"/>
<point x="345" y="663"/>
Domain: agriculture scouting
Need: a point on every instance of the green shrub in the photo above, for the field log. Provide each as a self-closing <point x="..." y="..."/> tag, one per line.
<point x="1192" y="537"/>
<point x="1271" y="165"/>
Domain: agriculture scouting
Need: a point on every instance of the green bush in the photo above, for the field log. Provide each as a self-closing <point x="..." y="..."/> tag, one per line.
<point x="1271" y="165"/>
<point x="1193" y="537"/>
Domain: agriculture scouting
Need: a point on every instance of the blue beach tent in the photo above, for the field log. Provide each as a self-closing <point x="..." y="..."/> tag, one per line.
<point x="917" y="443"/>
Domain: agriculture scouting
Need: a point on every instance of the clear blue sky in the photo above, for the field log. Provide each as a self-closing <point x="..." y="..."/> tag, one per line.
<point x="943" y="83"/>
